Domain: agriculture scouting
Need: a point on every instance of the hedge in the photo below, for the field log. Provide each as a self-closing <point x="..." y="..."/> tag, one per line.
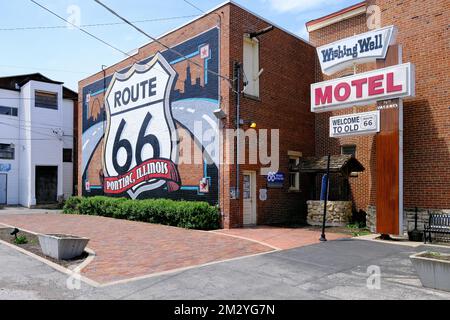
<point x="184" y="214"/>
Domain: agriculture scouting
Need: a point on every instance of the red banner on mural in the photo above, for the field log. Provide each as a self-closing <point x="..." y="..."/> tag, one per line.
<point x="150" y="169"/>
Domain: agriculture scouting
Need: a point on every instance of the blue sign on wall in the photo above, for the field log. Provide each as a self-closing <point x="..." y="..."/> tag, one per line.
<point x="5" y="167"/>
<point x="275" y="180"/>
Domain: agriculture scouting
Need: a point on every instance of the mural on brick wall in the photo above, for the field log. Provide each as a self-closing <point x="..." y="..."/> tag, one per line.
<point x="156" y="133"/>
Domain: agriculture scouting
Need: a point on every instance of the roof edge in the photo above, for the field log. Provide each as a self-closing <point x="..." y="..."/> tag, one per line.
<point x="337" y="16"/>
<point x="202" y="16"/>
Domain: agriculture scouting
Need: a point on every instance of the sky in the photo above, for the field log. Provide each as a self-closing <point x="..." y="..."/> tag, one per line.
<point x="64" y="53"/>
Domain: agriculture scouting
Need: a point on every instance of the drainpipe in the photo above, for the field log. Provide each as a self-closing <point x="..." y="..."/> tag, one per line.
<point x="104" y="114"/>
<point x="237" y="68"/>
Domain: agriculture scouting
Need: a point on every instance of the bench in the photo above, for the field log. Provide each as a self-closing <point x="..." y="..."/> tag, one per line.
<point x="438" y="223"/>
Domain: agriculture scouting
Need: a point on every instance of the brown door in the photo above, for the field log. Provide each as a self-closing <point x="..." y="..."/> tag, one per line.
<point x="387" y="160"/>
<point x="46" y="184"/>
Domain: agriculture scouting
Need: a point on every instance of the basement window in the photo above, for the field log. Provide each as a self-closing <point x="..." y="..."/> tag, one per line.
<point x="251" y="66"/>
<point x="47" y="100"/>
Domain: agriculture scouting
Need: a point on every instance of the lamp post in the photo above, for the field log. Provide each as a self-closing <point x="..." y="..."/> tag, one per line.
<point x="322" y="237"/>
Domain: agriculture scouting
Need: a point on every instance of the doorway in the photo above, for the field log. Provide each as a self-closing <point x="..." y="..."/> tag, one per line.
<point x="46" y="184"/>
<point x="249" y="198"/>
<point x="3" y="188"/>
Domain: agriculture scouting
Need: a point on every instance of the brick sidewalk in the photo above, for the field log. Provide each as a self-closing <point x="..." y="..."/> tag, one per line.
<point x="282" y="238"/>
<point x="128" y="249"/>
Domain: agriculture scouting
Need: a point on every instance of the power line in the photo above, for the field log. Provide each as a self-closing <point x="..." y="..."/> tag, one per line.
<point x="93" y="36"/>
<point x="32" y="123"/>
<point x="96" y="24"/>
<point x="29" y="129"/>
<point x="79" y="28"/>
<point x="158" y="41"/>
<point x="194" y="6"/>
<point x="43" y="69"/>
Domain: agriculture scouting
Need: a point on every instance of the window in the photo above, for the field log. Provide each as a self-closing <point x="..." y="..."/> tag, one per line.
<point x="349" y="149"/>
<point x="294" y="174"/>
<point x="251" y="66"/>
<point x="48" y="100"/>
<point x="6" y="151"/>
<point x="8" y="111"/>
<point x="67" y="155"/>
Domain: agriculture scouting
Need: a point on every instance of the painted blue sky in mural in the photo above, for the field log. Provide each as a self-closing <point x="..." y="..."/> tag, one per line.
<point x="69" y="55"/>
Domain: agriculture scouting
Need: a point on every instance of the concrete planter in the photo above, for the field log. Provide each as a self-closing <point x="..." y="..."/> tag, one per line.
<point x="433" y="273"/>
<point x="62" y="246"/>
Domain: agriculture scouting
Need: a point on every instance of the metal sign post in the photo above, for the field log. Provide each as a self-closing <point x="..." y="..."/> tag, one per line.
<point x="322" y="237"/>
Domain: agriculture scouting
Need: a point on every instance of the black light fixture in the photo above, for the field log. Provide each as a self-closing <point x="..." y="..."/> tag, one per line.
<point x="219" y="114"/>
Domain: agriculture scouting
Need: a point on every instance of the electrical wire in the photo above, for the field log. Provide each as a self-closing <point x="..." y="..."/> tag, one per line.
<point x="31" y="130"/>
<point x="94" y="36"/>
<point x="96" y="24"/>
<point x="157" y="41"/>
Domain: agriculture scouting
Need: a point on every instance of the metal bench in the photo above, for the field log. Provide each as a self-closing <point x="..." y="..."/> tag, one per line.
<point x="439" y="224"/>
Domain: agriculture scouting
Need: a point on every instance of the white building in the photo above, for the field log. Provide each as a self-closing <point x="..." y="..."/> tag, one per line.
<point x="36" y="140"/>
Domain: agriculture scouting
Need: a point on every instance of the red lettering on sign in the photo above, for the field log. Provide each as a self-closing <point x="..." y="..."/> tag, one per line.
<point x="337" y="91"/>
<point x="376" y="85"/>
<point x="390" y="86"/>
<point x="358" y="84"/>
<point x="325" y="96"/>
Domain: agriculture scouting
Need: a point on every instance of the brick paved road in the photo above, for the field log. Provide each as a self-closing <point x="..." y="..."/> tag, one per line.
<point x="127" y="249"/>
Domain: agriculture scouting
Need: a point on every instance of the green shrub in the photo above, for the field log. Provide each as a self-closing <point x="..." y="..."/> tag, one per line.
<point x="185" y="214"/>
<point x="71" y="205"/>
<point x="21" y="240"/>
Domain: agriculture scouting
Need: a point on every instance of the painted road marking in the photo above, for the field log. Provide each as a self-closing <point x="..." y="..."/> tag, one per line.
<point x="85" y="144"/>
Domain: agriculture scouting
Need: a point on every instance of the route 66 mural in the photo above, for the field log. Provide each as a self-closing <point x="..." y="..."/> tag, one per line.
<point x="140" y="149"/>
<point x="135" y="121"/>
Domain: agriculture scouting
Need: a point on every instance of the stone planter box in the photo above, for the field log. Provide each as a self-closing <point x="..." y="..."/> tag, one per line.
<point x="339" y="213"/>
<point x="433" y="273"/>
<point x="62" y="246"/>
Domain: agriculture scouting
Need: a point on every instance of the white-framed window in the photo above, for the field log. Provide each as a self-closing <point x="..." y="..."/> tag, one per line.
<point x="8" y="111"/>
<point x="349" y="149"/>
<point x="47" y="100"/>
<point x="251" y="66"/>
<point x="294" y="174"/>
<point x="7" y="151"/>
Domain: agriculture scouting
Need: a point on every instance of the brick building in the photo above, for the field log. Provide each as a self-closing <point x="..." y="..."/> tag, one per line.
<point x="277" y="68"/>
<point x="423" y="35"/>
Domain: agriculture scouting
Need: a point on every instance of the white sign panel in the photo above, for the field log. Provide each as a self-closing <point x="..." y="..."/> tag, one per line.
<point x="364" y="88"/>
<point x="140" y="153"/>
<point x="362" y="48"/>
<point x="355" y="124"/>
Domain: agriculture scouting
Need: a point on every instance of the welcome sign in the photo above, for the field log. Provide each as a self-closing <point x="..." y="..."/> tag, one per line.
<point x="364" y="88"/>
<point x="362" y="48"/>
<point x="355" y="124"/>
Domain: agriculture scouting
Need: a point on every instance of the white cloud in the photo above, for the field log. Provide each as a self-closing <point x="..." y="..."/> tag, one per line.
<point x="297" y="5"/>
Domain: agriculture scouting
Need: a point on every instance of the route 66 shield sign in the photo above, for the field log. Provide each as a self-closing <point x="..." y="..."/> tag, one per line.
<point x="140" y="149"/>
